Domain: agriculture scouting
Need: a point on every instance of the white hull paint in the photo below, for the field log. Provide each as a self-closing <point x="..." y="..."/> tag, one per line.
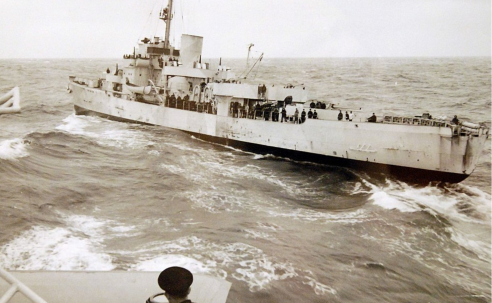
<point x="428" y="149"/>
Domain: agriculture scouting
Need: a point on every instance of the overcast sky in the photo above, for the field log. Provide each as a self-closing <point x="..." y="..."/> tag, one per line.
<point x="279" y="28"/>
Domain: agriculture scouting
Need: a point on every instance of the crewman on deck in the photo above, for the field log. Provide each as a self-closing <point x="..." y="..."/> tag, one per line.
<point x="275" y="115"/>
<point x="455" y="120"/>
<point x="310" y="114"/>
<point x="373" y="118"/>
<point x="346" y="116"/>
<point x="351" y="116"/>
<point x="176" y="282"/>
<point x="315" y="115"/>
<point x="296" y="116"/>
<point x="340" y="115"/>
<point x="257" y="110"/>
<point x="303" y="116"/>
<point x="284" y="115"/>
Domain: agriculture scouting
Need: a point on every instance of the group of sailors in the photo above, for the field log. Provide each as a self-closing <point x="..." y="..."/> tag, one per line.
<point x="261" y="91"/>
<point x="274" y="114"/>
<point x="187" y="104"/>
<point x="320" y="105"/>
<point x="348" y="116"/>
<point x="310" y="115"/>
<point x="136" y="56"/>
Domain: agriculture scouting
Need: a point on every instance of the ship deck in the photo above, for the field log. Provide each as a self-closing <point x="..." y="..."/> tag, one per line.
<point x="108" y="286"/>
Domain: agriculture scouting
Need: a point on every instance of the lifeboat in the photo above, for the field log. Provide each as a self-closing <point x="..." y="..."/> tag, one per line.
<point x="144" y="90"/>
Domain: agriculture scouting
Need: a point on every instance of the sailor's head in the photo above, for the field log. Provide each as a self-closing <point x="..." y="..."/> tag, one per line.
<point x="175" y="281"/>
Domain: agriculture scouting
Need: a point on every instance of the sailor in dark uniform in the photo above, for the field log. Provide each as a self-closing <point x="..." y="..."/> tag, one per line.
<point x="372" y="118"/>
<point x="303" y="116"/>
<point x="263" y="91"/>
<point x="310" y="114"/>
<point x="176" y="282"/>
<point x="455" y="120"/>
<point x="340" y="116"/>
<point x="315" y="115"/>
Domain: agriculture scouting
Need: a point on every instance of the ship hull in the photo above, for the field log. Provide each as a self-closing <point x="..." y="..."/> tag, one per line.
<point x="378" y="170"/>
<point x="418" y="176"/>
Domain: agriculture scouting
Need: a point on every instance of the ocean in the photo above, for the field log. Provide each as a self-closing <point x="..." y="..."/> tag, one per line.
<point x="85" y="193"/>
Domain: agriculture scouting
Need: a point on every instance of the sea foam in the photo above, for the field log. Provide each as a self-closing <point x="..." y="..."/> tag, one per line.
<point x="43" y="248"/>
<point x="448" y="202"/>
<point x="13" y="149"/>
<point x="113" y="134"/>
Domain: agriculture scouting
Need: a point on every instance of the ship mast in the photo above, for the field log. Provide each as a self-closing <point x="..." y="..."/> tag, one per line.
<point x="167" y="18"/>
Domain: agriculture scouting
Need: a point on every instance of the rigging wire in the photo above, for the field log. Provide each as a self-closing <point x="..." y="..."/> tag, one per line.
<point x="182" y="17"/>
<point x="156" y="28"/>
<point x="148" y="21"/>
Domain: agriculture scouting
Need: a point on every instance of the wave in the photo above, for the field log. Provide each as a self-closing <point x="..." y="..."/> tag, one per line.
<point x="462" y="213"/>
<point x="457" y="202"/>
<point x="247" y="263"/>
<point x="42" y="248"/>
<point x="105" y="132"/>
<point x="78" y="245"/>
<point x="13" y="149"/>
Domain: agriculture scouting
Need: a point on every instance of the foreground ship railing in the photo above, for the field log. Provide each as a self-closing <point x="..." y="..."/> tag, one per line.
<point x="10" y="102"/>
<point x="17" y="286"/>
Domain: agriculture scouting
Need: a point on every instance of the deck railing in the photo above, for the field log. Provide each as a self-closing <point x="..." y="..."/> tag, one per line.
<point x="17" y="286"/>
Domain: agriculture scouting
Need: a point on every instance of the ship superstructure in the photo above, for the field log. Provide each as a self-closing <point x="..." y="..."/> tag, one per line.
<point x="175" y="88"/>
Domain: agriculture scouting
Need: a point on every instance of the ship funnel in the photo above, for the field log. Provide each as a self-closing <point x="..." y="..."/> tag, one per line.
<point x="191" y="49"/>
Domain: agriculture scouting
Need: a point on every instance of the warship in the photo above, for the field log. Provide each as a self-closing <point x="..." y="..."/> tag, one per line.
<point x="172" y="87"/>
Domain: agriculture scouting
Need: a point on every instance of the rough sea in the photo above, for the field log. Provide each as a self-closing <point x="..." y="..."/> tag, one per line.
<point x="85" y="193"/>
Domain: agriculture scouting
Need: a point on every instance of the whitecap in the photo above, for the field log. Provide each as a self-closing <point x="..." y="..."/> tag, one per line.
<point x="113" y="134"/>
<point x="43" y="248"/>
<point x="76" y="125"/>
<point x="162" y="262"/>
<point x="13" y="149"/>
<point x="248" y="263"/>
<point x="480" y="248"/>
<point x="447" y="202"/>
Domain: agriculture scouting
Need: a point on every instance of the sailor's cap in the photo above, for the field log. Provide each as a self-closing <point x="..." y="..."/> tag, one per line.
<point x="175" y="280"/>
